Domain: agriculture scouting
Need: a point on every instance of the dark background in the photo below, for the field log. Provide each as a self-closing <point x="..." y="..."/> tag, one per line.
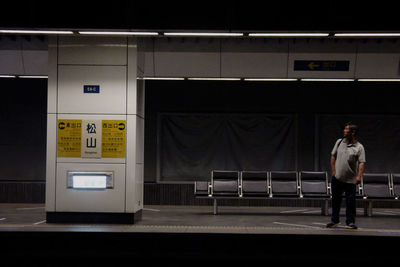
<point x="317" y="112"/>
<point x="23" y="126"/>
<point x="328" y="15"/>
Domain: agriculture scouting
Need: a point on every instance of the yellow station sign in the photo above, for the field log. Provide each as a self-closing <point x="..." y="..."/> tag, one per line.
<point x="69" y="136"/>
<point x="113" y="137"/>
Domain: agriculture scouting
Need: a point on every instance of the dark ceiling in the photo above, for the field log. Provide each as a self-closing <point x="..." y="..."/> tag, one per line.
<point x="283" y="15"/>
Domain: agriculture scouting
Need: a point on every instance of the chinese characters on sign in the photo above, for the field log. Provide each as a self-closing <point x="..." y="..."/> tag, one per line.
<point x="69" y="138"/>
<point x="113" y="139"/>
<point x="91" y="138"/>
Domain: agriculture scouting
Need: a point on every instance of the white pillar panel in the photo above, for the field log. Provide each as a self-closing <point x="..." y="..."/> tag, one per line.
<point x="94" y="200"/>
<point x="135" y="158"/>
<point x="51" y="154"/>
<point x="110" y="100"/>
<point x="131" y="135"/>
<point x="131" y="97"/>
<point x="138" y="205"/>
<point x="140" y="98"/>
<point x="52" y="76"/>
<point x="253" y="58"/>
<point x="139" y="140"/>
<point x="92" y="50"/>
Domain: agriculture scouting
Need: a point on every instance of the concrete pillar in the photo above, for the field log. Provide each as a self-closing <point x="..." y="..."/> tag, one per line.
<point x="95" y="130"/>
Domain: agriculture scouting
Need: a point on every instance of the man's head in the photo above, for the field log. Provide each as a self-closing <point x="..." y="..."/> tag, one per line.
<point x="350" y="129"/>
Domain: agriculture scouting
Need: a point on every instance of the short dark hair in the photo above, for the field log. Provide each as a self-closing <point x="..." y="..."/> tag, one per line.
<point x="353" y="127"/>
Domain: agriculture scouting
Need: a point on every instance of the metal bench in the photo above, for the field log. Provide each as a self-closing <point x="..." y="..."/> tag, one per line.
<point x="227" y="184"/>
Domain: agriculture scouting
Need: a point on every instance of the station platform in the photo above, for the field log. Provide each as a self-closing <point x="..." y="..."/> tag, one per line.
<point x="185" y="233"/>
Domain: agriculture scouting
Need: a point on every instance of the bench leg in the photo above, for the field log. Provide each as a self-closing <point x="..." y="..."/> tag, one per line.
<point x="325" y="208"/>
<point x="368" y="209"/>
<point x="215" y="207"/>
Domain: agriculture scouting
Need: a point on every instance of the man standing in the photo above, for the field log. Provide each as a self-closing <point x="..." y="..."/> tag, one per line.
<point x="347" y="164"/>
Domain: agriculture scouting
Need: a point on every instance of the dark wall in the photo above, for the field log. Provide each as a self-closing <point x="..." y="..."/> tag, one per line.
<point x="306" y="100"/>
<point x="23" y="124"/>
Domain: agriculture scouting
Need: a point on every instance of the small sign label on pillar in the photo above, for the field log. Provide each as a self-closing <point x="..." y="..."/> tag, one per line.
<point x="91" y="89"/>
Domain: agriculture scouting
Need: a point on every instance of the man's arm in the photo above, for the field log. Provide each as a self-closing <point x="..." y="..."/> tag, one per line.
<point x="333" y="169"/>
<point x="360" y="172"/>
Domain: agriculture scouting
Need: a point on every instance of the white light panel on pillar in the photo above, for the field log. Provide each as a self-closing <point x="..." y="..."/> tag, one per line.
<point x="89" y="181"/>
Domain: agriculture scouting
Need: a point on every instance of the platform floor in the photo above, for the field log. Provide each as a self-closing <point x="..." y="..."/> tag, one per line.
<point x="190" y="234"/>
<point x="200" y="219"/>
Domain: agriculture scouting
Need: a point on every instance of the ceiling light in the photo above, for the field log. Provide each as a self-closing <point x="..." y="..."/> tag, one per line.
<point x="123" y="33"/>
<point x="7" y="76"/>
<point x="33" y="76"/>
<point x="367" y="35"/>
<point x="203" y="34"/>
<point x="270" y="79"/>
<point x="214" y="79"/>
<point x="378" y="80"/>
<point x="288" y="34"/>
<point x="326" y="80"/>
<point x="163" y="78"/>
<point x="35" y="32"/>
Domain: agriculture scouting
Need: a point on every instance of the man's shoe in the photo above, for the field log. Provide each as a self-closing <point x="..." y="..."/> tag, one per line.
<point x="351" y="226"/>
<point x="331" y="225"/>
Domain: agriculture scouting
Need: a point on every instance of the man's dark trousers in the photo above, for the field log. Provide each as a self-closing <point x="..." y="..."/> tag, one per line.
<point x="338" y="188"/>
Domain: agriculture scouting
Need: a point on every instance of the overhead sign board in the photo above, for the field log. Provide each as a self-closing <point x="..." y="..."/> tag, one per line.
<point x="321" y="65"/>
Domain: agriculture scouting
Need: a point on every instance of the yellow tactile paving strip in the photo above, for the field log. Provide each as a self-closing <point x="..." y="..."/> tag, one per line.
<point x="194" y="228"/>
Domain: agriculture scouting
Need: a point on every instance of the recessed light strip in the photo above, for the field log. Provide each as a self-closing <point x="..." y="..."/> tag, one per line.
<point x="214" y="79"/>
<point x="7" y="76"/>
<point x="367" y="34"/>
<point x="378" y="80"/>
<point x="203" y="34"/>
<point x="270" y="79"/>
<point x="326" y="80"/>
<point x="164" y="78"/>
<point x="288" y="34"/>
<point x="35" y="32"/>
<point x="33" y="76"/>
<point x="123" y="33"/>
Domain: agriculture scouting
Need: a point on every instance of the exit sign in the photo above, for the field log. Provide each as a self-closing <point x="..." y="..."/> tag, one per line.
<point x="321" y="65"/>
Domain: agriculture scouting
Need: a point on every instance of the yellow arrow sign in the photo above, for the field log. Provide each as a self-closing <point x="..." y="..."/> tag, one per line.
<point x="312" y="65"/>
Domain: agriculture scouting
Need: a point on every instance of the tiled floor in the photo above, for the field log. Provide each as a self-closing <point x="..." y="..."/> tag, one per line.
<point x="200" y="219"/>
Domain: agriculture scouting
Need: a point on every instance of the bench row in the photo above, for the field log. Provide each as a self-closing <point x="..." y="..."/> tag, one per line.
<point x="303" y="184"/>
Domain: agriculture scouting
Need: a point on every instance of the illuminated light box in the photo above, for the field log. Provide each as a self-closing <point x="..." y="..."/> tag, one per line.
<point x="90" y="180"/>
